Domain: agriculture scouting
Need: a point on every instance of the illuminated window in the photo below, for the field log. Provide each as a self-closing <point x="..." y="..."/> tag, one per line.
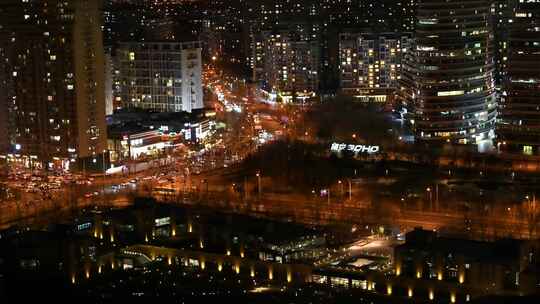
<point x="450" y="93"/>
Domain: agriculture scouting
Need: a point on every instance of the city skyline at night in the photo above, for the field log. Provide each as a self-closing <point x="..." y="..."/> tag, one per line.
<point x="270" y="151"/>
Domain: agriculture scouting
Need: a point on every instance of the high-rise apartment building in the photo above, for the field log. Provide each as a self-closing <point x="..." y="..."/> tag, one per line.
<point x="109" y="83"/>
<point x="370" y="64"/>
<point x="53" y="81"/>
<point x="256" y="60"/>
<point x="448" y="81"/>
<point x="4" y="138"/>
<point x="500" y="17"/>
<point x="291" y="61"/>
<point x="161" y="76"/>
<point x="519" y="122"/>
<point x="291" y="67"/>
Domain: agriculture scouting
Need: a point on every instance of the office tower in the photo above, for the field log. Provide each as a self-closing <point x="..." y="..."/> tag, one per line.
<point x="53" y="72"/>
<point x="370" y="64"/>
<point x="161" y="76"/>
<point x="519" y="124"/>
<point x="448" y="81"/>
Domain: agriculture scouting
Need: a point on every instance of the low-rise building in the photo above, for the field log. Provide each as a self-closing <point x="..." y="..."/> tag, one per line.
<point x="135" y="135"/>
<point x="466" y="268"/>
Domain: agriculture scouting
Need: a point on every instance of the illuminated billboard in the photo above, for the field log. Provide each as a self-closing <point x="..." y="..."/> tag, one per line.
<point x="356" y="149"/>
<point x="162" y="221"/>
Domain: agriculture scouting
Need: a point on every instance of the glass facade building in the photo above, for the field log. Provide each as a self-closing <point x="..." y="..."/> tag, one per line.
<point x="448" y="78"/>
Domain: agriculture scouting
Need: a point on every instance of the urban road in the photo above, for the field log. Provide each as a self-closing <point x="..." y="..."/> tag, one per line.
<point x="498" y="222"/>
<point x="279" y="207"/>
<point x="361" y="208"/>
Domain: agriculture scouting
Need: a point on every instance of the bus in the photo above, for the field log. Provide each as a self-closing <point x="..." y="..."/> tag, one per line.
<point x="164" y="191"/>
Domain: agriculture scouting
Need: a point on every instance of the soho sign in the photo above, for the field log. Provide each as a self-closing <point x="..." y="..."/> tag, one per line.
<point x="337" y="147"/>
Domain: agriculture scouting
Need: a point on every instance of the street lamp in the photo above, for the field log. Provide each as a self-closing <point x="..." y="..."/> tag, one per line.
<point x="328" y="195"/>
<point x="350" y="189"/>
<point x="428" y="189"/>
<point x="104" y="173"/>
<point x="259" y="183"/>
<point x="103" y="162"/>
<point x="206" y="182"/>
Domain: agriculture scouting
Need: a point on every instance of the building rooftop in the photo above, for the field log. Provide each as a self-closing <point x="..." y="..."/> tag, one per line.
<point x="136" y="121"/>
<point x="429" y="241"/>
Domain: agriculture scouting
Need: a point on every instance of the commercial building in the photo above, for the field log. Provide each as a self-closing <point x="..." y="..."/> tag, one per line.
<point x="52" y="67"/>
<point x="131" y="144"/>
<point x="161" y="76"/>
<point x="518" y="129"/>
<point x="448" y="82"/>
<point x="370" y="64"/>
<point x="140" y="134"/>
